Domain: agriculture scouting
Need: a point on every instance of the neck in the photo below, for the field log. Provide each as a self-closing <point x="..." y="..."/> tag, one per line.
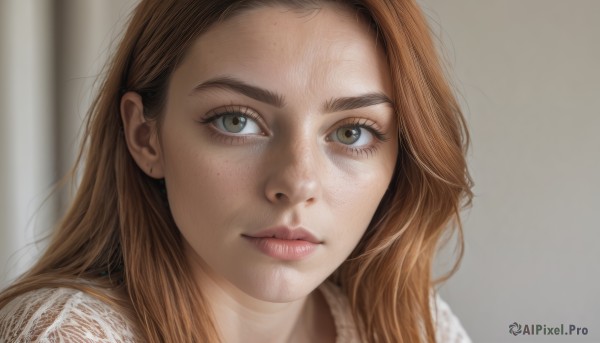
<point x="243" y="318"/>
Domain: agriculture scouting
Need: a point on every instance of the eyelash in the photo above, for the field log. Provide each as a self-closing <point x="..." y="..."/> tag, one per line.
<point x="363" y="123"/>
<point x="213" y="115"/>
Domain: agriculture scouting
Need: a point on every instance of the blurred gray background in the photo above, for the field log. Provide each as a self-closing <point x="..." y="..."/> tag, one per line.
<point x="527" y="73"/>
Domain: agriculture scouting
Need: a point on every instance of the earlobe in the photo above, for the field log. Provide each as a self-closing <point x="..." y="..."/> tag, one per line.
<point x="141" y="135"/>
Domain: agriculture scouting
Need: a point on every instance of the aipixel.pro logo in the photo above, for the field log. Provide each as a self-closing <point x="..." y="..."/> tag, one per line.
<point x="516" y="329"/>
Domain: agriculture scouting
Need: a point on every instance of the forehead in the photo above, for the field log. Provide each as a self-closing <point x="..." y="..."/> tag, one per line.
<point x="285" y="47"/>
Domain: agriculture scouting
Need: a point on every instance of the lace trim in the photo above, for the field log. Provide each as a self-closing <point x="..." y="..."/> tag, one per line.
<point x="69" y="315"/>
<point x="62" y="315"/>
<point x="447" y="326"/>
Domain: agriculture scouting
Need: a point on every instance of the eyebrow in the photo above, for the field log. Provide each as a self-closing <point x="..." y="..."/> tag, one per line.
<point x="354" y="102"/>
<point x="257" y="93"/>
<point x="278" y="100"/>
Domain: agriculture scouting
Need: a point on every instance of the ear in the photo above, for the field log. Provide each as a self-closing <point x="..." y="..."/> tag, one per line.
<point x="141" y="136"/>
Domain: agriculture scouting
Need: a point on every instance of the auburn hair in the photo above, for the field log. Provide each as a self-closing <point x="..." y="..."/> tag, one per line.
<point x="119" y="236"/>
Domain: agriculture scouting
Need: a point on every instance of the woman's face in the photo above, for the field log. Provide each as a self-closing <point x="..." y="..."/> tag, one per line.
<point x="277" y="127"/>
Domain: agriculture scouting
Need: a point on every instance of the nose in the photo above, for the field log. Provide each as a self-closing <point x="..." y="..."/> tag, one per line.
<point x="293" y="175"/>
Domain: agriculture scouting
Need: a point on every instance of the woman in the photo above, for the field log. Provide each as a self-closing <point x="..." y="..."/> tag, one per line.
<point x="258" y="171"/>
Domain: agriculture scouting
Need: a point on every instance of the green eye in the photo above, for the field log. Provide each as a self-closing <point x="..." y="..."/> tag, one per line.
<point x="348" y="134"/>
<point x="236" y="123"/>
<point x="233" y="123"/>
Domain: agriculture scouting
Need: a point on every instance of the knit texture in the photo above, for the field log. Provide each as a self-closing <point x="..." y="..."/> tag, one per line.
<point x="65" y="315"/>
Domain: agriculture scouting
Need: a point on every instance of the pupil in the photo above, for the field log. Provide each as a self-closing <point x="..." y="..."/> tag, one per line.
<point x="234" y="123"/>
<point x="348" y="135"/>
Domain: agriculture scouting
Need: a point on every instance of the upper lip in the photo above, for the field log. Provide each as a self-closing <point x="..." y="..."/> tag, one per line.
<point x="284" y="232"/>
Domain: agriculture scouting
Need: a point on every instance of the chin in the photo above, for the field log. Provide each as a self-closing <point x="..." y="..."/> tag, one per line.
<point x="279" y="285"/>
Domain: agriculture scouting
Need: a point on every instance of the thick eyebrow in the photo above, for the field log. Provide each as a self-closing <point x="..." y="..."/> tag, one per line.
<point x="277" y="100"/>
<point x="257" y="93"/>
<point x="354" y="102"/>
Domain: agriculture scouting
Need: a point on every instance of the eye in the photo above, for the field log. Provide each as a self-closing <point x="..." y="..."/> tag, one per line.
<point x="353" y="135"/>
<point x="236" y="123"/>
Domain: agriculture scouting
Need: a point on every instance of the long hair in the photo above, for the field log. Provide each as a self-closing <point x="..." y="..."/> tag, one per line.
<point x="119" y="234"/>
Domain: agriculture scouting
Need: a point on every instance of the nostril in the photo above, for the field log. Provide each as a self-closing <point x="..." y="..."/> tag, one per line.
<point x="279" y="196"/>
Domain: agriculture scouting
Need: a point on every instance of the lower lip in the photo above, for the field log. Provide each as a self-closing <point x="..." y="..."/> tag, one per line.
<point x="283" y="249"/>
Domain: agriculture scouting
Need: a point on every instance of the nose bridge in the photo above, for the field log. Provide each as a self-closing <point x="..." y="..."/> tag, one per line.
<point x="299" y="157"/>
<point x="294" y="174"/>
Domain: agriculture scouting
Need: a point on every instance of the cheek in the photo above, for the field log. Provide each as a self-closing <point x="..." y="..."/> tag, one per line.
<point x="205" y="191"/>
<point x="358" y="190"/>
<point x="354" y="200"/>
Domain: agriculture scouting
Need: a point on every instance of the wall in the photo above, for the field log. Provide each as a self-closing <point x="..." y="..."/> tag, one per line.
<point x="26" y="129"/>
<point x="51" y="52"/>
<point x="528" y="75"/>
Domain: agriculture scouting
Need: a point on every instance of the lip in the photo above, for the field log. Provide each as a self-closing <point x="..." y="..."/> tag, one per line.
<point x="284" y="243"/>
<point x="286" y="233"/>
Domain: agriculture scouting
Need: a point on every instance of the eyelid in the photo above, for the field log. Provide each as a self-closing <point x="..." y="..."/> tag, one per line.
<point x="246" y="111"/>
<point x="368" y="124"/>
<point x="362" y="151"/>
<point x="374" y="128"/>
<point x="229" y="109"/>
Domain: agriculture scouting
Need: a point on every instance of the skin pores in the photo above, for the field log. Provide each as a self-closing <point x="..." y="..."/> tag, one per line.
<point x="235" y="165"/>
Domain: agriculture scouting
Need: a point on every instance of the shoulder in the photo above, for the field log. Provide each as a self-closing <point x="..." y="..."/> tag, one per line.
<point x="62" y="315"/>
<point x="447" y="326"/>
